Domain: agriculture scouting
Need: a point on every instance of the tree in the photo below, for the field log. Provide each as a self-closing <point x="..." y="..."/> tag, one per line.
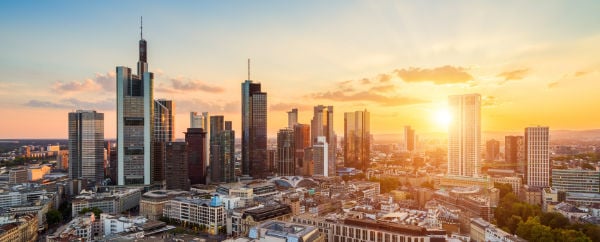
<point x="554" y="220"/>
<point x="94" y="210"/>
<point x="504" y="188"/>
<point x="533" y="231"/>
<point x="569" y="235"/>
<point x="53" y="217"/>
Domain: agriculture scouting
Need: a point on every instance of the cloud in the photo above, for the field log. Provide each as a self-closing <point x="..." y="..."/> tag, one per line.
<point x="367" y="96"/>
<point x="385" y="78"/>
<point x="193" y="85"/>
<point x="581" y="73"/>
<point x="553" y="84"/>
<point x="383" y="88"/>
<point x="489" y="101"/>
<point x="513" y="75"/>
<point x="439" y="75"/>
<point x="283" y="107"/>
<point x="73" y="103"/>
<point x="104" y="82"/>
<point x="365" y="81"/>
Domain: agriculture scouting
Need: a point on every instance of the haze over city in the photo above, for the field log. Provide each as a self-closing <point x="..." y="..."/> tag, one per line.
<point x="532" y="62"/>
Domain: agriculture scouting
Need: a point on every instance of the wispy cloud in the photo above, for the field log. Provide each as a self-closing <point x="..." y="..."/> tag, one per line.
<point x="72" y="103"/>
<point x="101" y="81"/>
<point x="513" y="75"/>
<point x="367" y="96"/>
<point x="439" y="75"/>
<point x="185" y="84"/>
<point x="216" y="107"/>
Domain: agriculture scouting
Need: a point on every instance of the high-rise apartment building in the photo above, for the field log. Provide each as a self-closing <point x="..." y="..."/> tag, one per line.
<point x="492" y="150"/>
<point x="357" y="140"/>
<point x="86" y="145"/>
<point x="302" y="142"/>
<point x="537" y="155"/>
<point x="320" y="157"/>
<point x="286" y="151"/>
<point x="176" y="166"/>
<point x="292" y="118"/>
<point x="197" y="140"/>
<point x="464" y="135"/>
<point x="164" y="120"/>
<point x="514" y="152"/>
<point x="254" y="130"/>
<point x="135" y="121"/>
<point x="322" y="125"/>
<point x="409" y="139"/>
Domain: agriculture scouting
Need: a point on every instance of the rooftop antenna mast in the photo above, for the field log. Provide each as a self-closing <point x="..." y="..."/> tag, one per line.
<point x="248" y="68"/>
<point x="141" y="27"/>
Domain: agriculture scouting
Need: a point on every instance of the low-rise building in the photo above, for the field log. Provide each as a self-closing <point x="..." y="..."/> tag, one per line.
<point x="23" y="229"/>
<point x="153" y="202"/>
<point x="80" y="229"/>
<point x="202" y="212"/>
<point x="285" y="231"/>
<point x="576" y="180"/>
<point x="115" y="201"/>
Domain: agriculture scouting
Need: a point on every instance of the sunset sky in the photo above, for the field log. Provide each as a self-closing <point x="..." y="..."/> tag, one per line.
<point x="533" y="62"/>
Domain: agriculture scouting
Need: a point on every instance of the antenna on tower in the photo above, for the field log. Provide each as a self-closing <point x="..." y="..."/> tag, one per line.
<point x="141" y="27"/>
<point x="248" y="68"/>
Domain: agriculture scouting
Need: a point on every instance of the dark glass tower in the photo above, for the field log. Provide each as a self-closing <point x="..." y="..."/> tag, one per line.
<point x="254" y="130"/>
<point x="86" y="145"/>
<point x="222" y="150"/>
<point x="196" y="141"/>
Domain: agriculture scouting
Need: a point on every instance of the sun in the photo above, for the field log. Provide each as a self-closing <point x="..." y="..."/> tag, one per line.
<point x="442" y="117"/>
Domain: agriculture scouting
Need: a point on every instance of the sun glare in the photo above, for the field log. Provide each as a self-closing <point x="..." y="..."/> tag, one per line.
<point x="442" y="118"/>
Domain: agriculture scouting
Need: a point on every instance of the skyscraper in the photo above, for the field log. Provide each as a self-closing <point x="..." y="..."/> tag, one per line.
<point x="286" y="150"/>
<point x="254" y="129"/>
<point x="357" y="135"/>
<point x="514" y="152"/>
<point x="222" y="158"/>
<point x="135" y="121"/>
<point x="492" y="150"/>
<point x="164" y="120"/>
<point x="86" y="145"/>
<point x="292" y="118"/>
<point x="202" y="121"/>
<point x="196" y="139"/>
<point x="322" y="125"/>
<point x="537" y="156"/>
<point x="409" y="139"/>
<point x="302" y="142"/>
<point x="320" y="157"/>
<point x="176" y="166"/>
<point x="464" y="135"/>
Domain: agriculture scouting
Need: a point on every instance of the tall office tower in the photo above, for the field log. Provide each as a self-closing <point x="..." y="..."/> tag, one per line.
<point x="292" y="118"/>
<point x="164" y="120"/>
<point x="254" y="129"/>
<point x="202" y="121"/>
<point x="157" y="167"/>
<point x="217" y="124"/>
<point x="196" y="140"/>
<point x="286" y="151"/>
<point x="357" y="139"/>
<point x="222" y="152"/>
<point x="409" y="139"/>
<point x="135" y="121"/>
<point x="322" y="125"/>
<point x="176" y="166"/>
<point x="86" y="145"/>
<point x="492" y="150"/>
<point x="320" y="157"/>
<point x="464" y="135"/>
<point x="537" y="156"/>
<point x="302" y="141"/>
<point x="514" y="152"/>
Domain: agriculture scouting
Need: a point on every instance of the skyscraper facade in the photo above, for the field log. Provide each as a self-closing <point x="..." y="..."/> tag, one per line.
<point x="320" y="157"/>
<point x="492" y="150"/>
<point x="86" y="145"/>
<point x="254" y="130"/>
<point x="464" y="135"/>
<point x="357" y="136"/>
<point x="135" y="121"/>
<point x="286" y="151"/>
<point x="322" y="125"/>
<point x="302" y="142"/>
<point x="176" y="167"/>
<point x="198" y="120"/>
<point x="409" y="139"/>
<point x="292" y="118"/>
<point x="537" y="156"/>
<point x="164" y="120"/>
<point x="514" y="152"/>
<point x="222" y="150"/>
<point x="196" y="140"/>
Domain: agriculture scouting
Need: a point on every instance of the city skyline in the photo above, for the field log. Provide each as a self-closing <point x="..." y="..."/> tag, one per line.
<point x="382" y="56"/>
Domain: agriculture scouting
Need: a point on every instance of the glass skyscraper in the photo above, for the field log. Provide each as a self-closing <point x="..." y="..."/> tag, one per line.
<point x="86" y="145"/>
<point x="357" y="139"/>
<point x="135" y="121"/>
<point x="254" y="130"/>
<point x="464" y="135"/>
<point x="322" y="125"/>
